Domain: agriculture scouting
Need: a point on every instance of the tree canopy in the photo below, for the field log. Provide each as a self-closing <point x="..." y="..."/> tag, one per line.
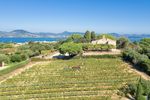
<point x="71" y="48"/>
<point x="4" y="58"/>
<point x="93" y="35"/>
<point x="74" y="38"/>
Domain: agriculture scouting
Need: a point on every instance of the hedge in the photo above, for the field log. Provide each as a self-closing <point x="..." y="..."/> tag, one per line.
<point x="100" y="56"/>
<point x="97" y="47"/>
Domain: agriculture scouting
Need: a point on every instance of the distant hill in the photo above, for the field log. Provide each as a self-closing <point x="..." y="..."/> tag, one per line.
<point x="17" y="33"/>
<point x="23" y="33"/>
<point x="132" y="37"/>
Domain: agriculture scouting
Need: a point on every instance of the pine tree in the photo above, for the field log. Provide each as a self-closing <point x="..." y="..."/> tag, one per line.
<point x="87" y="36"/>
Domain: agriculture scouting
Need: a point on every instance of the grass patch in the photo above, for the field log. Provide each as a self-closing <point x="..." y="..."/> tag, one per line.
<point x="39" y="59"/>
<point x="13" y="66"/>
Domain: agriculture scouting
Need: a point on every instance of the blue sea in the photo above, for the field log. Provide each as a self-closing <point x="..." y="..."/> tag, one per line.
<point x="23" y="40"/>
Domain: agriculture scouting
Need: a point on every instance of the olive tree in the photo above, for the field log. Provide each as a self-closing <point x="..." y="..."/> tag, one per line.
<point x="71" y="48"/>
<point x="16" y="58"/>
<point x="4" y="58"/>
<point x="74" y="38"/>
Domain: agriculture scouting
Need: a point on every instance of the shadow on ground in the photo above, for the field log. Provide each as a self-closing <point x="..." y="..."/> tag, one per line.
<point x="63" y="57"/>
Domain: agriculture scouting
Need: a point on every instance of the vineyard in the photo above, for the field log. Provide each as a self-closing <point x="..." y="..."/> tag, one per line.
<point x="94" y="79"/>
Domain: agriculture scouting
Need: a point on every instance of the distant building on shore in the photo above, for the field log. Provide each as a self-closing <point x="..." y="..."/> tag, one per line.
<point x="104" y="40"/>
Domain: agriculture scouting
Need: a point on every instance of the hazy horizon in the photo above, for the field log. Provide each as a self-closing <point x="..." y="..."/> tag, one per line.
<point x="70" y="31"/>
<point x="56" y="16"/>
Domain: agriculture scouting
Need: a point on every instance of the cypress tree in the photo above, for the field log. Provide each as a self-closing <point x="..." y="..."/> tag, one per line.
<point x="139" y="91"/>
<point x="87" y="36"/>
<point x="93" y="35"/>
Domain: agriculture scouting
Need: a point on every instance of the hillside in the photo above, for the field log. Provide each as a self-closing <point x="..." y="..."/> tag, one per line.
<point x="96" y="79"/>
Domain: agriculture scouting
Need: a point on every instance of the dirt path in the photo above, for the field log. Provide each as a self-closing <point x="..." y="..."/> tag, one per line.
<point x="20" y="70"/>
<point x="142" y="74"/>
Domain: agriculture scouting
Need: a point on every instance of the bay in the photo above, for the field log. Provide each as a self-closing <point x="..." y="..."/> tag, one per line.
<point x="23" y="40"/>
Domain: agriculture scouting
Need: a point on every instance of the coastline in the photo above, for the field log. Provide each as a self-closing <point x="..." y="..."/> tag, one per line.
<point x="20" y="40"/>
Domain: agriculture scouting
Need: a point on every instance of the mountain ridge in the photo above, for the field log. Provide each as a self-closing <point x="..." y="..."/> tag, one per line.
<point x="24" y="33"/>
<point x="20" y="33"/>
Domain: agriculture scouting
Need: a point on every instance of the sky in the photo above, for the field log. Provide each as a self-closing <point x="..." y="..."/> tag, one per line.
<point x="101" y="16"/>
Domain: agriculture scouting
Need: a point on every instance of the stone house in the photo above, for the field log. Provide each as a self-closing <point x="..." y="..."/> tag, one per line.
<point x="104" y="40"/>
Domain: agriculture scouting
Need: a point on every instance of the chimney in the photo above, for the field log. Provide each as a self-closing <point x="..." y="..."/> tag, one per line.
<point x="104" y="37"/>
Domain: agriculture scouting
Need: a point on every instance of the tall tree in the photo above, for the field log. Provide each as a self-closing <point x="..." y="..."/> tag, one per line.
<point x="93" y="35"/>
<point x="87" y="36"/>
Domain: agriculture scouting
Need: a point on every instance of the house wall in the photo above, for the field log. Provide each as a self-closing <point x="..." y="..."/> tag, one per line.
<point x="104" y="41"/>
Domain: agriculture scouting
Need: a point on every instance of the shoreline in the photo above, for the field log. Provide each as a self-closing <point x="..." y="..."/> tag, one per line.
<point x="21" y="40"/>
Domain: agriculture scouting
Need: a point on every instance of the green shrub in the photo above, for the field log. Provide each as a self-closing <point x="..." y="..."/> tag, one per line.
<point x="87" y="46"/>
<point x="140" y="60"/>
<point x="4" y="58"/>
<point x="34" y="49"/>
<point x="136" y="90"/>
<point x="76" y="38"/>
<point x="16" y="58"/>
<point x="24" y="57"/>
<point x="128" y="89"/>
<point x="97" y="47"/>
<point x="122" y="43"/>
<point x="29" y="52"/>
<point x="145" y="45"/>
<point x="6" y="45"/>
